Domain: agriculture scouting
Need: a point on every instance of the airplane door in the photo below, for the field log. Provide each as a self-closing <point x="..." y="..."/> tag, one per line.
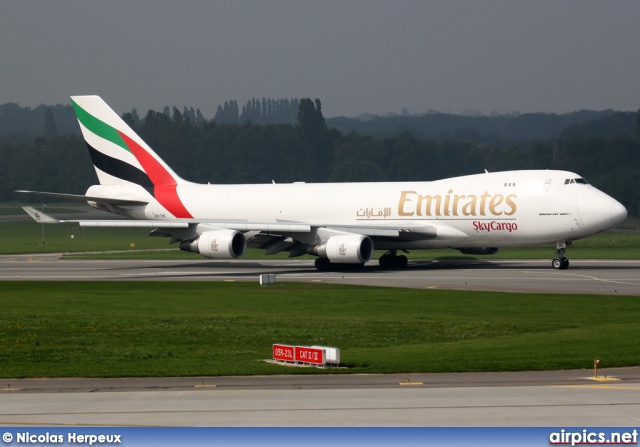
<point x="547" y="183"/>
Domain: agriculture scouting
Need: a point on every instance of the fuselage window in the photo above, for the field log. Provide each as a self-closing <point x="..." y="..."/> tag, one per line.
<point x="581" y="180"/>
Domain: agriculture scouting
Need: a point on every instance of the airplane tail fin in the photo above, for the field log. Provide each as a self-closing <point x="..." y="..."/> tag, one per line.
<point x="117" y="152"/>
<point x="120" y="157"/>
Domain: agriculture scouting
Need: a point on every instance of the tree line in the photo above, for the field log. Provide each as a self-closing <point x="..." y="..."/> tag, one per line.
<point x="19" y="123"/>
<point x="497" y="130"/>
<point x="25" y="123"/>
<point x="256" y="111"/>
<point x="310" y="150"/>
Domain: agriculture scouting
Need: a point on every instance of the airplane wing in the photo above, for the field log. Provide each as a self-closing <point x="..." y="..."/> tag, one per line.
<point x="84" y="198"/>
<point x="243" y="226"/>
<point x="269" y="236"/>
<point x="269" y="231"/>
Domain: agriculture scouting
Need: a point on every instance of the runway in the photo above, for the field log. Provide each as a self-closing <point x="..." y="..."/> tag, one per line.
<point x="559" y="398"/>
<point x="583" y="276"/>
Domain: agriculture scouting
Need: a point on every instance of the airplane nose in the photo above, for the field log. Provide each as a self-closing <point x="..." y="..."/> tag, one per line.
<point x="599" y="211"/>
<point x="618" y="213"/>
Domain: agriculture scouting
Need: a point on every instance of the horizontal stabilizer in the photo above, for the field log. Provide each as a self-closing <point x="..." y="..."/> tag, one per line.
<point x="39" y="216"/>
<point x="83" y="198"/>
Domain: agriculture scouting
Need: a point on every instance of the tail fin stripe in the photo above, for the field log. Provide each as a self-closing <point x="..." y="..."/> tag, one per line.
<point x="109" y="149"/>
<point x="118" y="168"/>
<point x="165" y="189"/>
<point x="157" y="173"/>
<point x="98" y="127"/>
<point x="167" y="195"/>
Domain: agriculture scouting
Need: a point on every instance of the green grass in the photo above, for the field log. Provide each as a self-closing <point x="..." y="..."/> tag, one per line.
<point x="26" y="237"/>
<point x="631" y="223"/>
<point x="14" y="210"/>
<point x="185" y="329"/>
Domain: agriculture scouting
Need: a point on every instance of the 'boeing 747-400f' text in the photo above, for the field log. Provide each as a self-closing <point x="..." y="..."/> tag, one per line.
<point x="340" y="223"/>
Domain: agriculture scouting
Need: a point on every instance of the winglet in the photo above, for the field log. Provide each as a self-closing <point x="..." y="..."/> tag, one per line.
<point x="39" y="216"/>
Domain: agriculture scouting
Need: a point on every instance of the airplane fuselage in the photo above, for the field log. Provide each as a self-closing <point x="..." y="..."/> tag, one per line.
<point x="500" y="209"/>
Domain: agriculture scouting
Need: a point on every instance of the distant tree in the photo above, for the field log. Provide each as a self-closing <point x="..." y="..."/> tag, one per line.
<point x="227" y="114"/>
<point x="638" y="123"/>
<point x="200" y="119"/>
<point x="132" y="118"/>
<point x="358" y="171"/>
<point x="310" y="118"/>
<point x="356" y="147"/>
<point x="412" y="159"/>
<point x="50" y="128"/>
<point x="156" y="120"/>
<point x="317" y="140"/>
<point x="176" y="116"/>
<point x="128" y="118"/>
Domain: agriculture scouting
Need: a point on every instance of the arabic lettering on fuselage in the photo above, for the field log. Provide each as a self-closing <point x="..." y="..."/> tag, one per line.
<point x="371" y="213"/>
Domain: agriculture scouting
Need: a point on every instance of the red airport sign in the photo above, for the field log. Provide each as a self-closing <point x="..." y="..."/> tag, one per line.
<point x="305" y="354"/>
<point x="283" y="352"/>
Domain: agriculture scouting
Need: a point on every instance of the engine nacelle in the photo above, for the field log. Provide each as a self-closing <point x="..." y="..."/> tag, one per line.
<point x="217" y="244"/>
<point x="479" y="250"/>
<point x="345" y="249"/>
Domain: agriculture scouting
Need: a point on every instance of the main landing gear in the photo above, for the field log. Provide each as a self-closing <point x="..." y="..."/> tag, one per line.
<point x="324" y="265"/>
<point x="392" y="260"/>
<point x="561" y="262"/>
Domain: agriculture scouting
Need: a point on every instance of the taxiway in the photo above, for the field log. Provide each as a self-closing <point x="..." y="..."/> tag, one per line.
<point x="584" y="276"/>
<point x="549" y="398"/>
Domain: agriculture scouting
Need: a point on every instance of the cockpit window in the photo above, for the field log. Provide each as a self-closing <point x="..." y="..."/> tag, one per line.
<point x="571" y="181"/>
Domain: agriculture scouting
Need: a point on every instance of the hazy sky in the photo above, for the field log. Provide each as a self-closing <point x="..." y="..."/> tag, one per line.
<point x="374" y="56"/>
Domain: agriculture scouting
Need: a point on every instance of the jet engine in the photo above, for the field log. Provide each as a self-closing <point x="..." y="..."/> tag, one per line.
<point x="479" y="250"/>
<point x="345" y="249"/>
<point x="217" y="244"/>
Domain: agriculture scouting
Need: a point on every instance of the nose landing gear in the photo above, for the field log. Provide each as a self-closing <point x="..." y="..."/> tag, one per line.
<point x="561" y="262"/>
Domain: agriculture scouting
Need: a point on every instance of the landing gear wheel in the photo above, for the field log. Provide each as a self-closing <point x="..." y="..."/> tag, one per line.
<point x="323" y="264"/>
<point x="561" y="262"/>
<point x="392" y="261"/>
<point x="385" y="261"/>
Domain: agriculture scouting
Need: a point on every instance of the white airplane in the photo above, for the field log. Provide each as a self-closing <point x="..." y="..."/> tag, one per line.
<point x="341" y="223"/>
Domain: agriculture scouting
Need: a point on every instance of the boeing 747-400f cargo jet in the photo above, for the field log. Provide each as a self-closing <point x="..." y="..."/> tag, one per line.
<point x="340" y="223"/>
